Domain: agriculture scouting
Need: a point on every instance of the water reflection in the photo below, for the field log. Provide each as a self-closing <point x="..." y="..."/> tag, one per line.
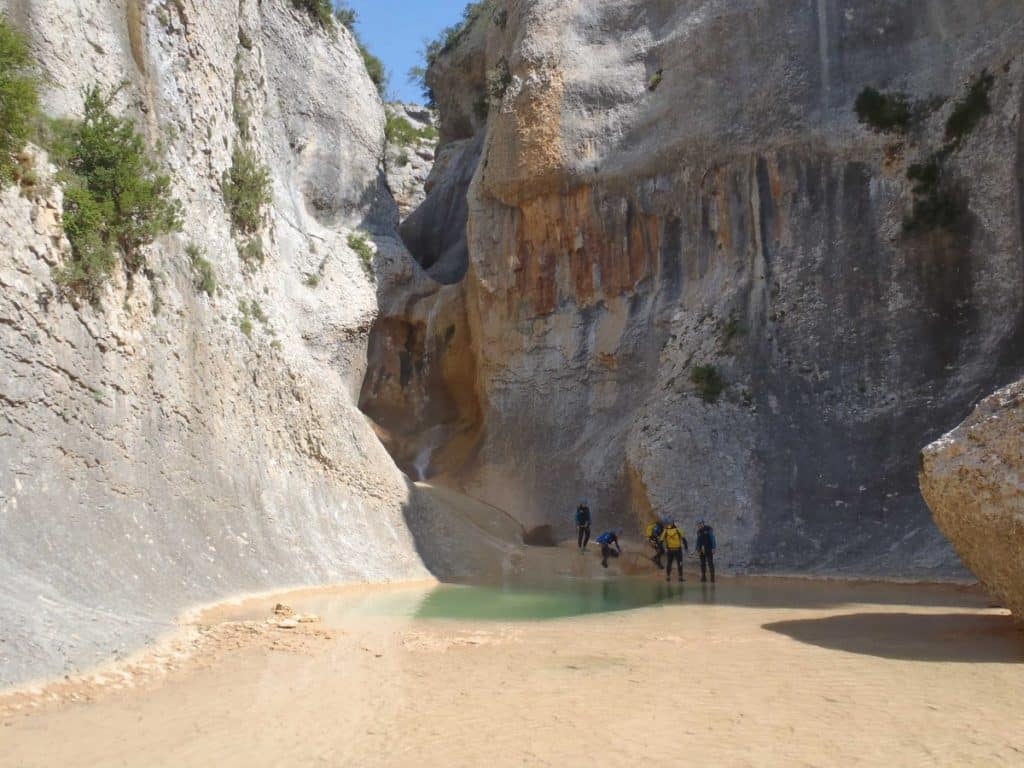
<point x="560" y="597"/>
<point x="538" y="601"/>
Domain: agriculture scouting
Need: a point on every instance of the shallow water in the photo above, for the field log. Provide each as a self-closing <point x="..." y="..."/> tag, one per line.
<point x="512" y="601"/>
<point x="557" y="597"/>
<point x="552" y="600"/>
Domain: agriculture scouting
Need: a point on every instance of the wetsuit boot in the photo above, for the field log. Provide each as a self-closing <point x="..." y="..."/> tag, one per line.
<point x="707" y="563"/>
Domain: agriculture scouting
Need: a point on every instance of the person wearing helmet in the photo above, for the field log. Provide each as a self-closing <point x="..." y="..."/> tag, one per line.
<point x="705" y="546"/>
<point x="582" y="525"/>
<point x="654" y="531"/>
<point x="607" y="540"/>
<point x="675" y="542"/>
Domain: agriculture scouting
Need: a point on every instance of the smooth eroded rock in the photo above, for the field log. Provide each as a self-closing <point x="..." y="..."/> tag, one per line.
<point x="973" y="480"/>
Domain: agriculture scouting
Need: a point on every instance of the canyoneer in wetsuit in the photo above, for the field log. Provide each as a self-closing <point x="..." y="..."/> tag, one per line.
<point x="607" y="540"/>
<point x="675" y="542"/>
<point x="582" y="526"/>
<point x="654" y="531"/>
<point x="705" y="546"/>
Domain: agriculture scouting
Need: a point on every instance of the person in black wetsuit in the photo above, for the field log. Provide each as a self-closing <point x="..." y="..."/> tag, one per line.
<point x="705" y="547"/>
<point x="582" y="526"/>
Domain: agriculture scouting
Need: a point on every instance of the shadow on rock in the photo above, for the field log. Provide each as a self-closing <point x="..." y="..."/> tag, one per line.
<point x="458" y="538"/>
<point x="947" y="637"/>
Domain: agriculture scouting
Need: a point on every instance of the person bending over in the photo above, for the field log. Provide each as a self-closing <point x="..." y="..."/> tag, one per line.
<point x="654" y="531"/>
<point x="607" y="540"/>
<point x="675" y="542"/>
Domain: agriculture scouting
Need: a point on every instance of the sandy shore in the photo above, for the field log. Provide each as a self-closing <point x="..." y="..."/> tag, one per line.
<point x="745" y="673"/>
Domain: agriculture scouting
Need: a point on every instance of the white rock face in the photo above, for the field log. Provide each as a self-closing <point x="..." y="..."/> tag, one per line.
<point x="973" y="480"/>
<point x="152" y="455"/>
<point x="409" y="165"/>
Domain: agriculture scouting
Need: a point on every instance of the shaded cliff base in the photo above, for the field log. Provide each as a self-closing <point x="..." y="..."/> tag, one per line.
<point x="762" y="658"/>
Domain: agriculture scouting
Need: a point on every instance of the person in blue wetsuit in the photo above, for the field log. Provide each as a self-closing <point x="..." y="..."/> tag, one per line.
<point x="705" y="547"/>
<point x="607" y="540"/>
<point x="582" y="525"/>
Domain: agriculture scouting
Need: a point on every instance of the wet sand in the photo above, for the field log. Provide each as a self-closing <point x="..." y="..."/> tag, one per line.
<point x="745" y="673"/>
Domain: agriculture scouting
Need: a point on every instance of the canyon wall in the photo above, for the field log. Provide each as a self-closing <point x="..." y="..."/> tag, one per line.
<point x="693" y="280"/>
<point x="165" y="447"/>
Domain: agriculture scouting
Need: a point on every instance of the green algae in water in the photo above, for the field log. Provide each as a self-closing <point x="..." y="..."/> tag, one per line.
<point x="551" y="600"/>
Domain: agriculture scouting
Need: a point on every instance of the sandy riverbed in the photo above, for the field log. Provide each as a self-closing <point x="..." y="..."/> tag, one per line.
<point x="751" y="672"/>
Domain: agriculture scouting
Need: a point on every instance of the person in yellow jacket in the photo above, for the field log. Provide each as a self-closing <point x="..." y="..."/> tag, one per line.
<point x="675" y="542"/>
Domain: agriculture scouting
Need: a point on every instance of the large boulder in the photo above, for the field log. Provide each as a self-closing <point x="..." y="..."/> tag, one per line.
<point x="973" y="479"/>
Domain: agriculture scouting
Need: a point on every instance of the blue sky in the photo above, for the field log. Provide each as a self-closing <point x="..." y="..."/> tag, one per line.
<point x="395" y="30"/>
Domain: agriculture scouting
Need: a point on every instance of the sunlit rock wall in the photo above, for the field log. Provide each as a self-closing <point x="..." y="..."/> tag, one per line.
<point x="152" y="454"/>
<point x="667" y="189"/>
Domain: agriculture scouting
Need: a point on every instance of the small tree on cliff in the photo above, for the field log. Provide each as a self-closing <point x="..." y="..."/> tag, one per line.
<point x="116" y="199"/>
<point x="19" y="96"/>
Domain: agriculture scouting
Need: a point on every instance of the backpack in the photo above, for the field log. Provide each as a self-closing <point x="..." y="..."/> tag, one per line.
<point x="673" y="538"/>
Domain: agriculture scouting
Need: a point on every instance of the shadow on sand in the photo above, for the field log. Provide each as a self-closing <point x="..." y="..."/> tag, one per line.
<point x="946" y="637"/>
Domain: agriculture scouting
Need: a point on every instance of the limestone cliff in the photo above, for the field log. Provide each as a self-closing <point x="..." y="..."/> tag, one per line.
<point x="410" y="154"/>
<point x="692" y="282"/>
<point x="973" y="479"/>
<point x="166" y="447"/>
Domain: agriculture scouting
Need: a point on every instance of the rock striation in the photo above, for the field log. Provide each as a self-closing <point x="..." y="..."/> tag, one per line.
<point x="165" y="447"/>
<point x="691" y="282"/>
<point x="973" y="480"/>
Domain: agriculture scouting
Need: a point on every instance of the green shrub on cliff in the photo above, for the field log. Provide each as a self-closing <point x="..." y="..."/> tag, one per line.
<point x="708" y="381"/>
<point x="321" y="11"/>
<point x="402" y="133"/>
<point x="116" y="200"/>
<point x="940" y="199"/>
<point x="359" y="243"/>
<point x="346" y="17"/>
<point x="970" y="110"/>
<point x="19" y="97"/>
<point x="203" y="275"/>
<point x="884" y="112"/>
<point x="451" y="36"/>
<point x="499" y="78"/>
<point x="939" y="202"/>
<point x="374" y="68"/>
<point x="246" y="186"/>
<point x="417" y="75"/>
